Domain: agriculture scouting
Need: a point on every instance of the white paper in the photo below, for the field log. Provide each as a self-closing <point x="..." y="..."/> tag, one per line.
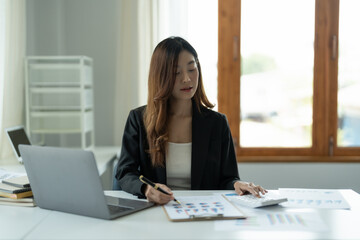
<point x="6" y="174"/>
<point x="275" y="221"/>
<point x="201" y="206"/>
<point x="313" y="198"/>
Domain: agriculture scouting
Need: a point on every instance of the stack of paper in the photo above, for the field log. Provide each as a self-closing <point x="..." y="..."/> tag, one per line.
<point x="16" y="191"/>
<point x="22" y="202"/>
<point x="13" y="192"/>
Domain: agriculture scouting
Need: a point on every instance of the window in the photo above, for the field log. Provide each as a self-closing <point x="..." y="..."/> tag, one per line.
<point x="349" y="76"/>
<point x="288" y="79"/>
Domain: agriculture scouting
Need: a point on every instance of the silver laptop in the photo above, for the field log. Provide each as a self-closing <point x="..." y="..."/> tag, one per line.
<point x="17" y="135"/>
<point x="68" y="180"/>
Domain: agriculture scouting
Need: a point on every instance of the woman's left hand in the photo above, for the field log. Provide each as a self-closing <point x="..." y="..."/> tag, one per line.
<point x="242" y="188"/>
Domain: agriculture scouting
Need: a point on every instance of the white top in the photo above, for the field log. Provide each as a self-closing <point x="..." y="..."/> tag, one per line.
<point x="178" y="166"/>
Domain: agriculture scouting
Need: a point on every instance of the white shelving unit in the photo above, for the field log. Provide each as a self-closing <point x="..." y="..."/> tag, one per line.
<point x="59" y="99"/>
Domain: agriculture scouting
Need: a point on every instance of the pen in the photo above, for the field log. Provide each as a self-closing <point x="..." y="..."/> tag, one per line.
<point x="150" y="183"/>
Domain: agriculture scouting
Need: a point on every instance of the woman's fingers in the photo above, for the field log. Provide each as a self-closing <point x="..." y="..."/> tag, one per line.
<point x="158" y="197"/>
<point x="253" y="191"/>
<point x="238" y="191"/>
<point x="242" y="188"/>
<point x="164" y="187"/>
<point x="262" y="190"/>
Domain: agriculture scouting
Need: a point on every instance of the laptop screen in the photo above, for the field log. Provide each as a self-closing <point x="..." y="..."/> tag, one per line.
<point x="18" y="136"/>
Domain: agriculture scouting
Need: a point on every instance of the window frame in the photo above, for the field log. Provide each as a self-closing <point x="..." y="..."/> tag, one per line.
<point x="324" y="130"/>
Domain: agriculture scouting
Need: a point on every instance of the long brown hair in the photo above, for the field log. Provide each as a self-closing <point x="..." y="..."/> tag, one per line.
<point x="162" y="75"/>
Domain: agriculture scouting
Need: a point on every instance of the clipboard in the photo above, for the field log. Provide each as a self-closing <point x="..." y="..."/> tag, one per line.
<point x="199" y="208"/>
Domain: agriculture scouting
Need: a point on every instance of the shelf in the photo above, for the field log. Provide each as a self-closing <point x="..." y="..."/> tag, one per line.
<point x="61" y="121"/>
<point x="60" y="108"/>
<point x="56" y="90"/>
<point x="52" y="74"/>
<point x="52" y="66"/>
<point x="59" y="99"/>
<point x="55" y="131"/>
<point x="57" y="113"/>
<point x="57" y="58"/>
<point x="59" y="84"/>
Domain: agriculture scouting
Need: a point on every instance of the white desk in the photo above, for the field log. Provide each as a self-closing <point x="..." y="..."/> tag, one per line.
<point x="36" y="223"/>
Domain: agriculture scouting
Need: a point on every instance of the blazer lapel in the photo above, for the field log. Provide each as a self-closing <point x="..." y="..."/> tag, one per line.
<point x="201" y="130"/>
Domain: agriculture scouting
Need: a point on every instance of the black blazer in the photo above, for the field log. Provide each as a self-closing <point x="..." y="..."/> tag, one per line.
<point x="213" y="165"/>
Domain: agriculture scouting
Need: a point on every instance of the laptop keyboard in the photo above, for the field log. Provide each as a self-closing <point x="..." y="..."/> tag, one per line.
<point x="116" y="209"/>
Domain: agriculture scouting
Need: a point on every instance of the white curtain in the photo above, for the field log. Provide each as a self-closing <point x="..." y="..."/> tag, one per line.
<point x="12" y="53"/>
<point x="136" y="39"/>
<point x="144" y="23"/>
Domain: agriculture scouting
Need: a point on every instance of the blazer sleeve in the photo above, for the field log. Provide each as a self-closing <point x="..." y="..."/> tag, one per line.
<point x="229" y="169"/>
<point x="127" y="172"/>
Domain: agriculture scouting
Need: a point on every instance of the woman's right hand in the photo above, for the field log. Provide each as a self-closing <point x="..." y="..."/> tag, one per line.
<point x="158" y="197"/>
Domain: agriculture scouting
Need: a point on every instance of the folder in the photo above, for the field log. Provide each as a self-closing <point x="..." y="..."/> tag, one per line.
<point x="198" y="208"/>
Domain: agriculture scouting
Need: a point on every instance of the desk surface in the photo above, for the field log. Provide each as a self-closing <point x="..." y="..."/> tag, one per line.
<point x="36" y="223"/>
<point x="102" y="156"/>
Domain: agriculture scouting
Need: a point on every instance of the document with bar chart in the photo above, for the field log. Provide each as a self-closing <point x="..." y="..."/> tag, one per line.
<point x="201" y="208"/>
<point x="275" y="221"/>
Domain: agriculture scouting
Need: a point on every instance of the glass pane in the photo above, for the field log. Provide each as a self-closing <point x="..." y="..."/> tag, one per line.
<point x="276" y="73"/>
<point x="349" y="75"/>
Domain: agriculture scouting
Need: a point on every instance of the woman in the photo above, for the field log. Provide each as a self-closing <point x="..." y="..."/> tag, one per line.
<point x="176" y="140"/>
